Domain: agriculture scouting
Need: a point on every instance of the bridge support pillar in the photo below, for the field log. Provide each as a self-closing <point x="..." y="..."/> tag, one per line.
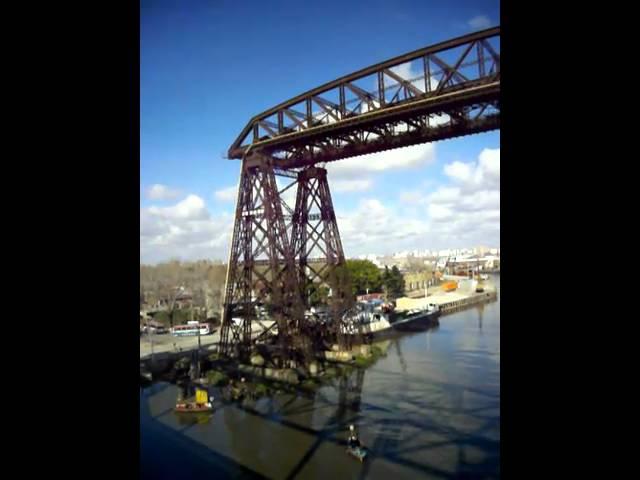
<point x="268" y="270"/>
<point x="318" y="252"/>
<point x="261" y="271"/>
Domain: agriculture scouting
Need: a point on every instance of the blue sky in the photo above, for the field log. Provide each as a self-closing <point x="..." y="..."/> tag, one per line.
<point x="207" y="67"/>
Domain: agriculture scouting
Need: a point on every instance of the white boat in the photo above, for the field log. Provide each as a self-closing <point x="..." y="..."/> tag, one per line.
<point x="375" y="323"/>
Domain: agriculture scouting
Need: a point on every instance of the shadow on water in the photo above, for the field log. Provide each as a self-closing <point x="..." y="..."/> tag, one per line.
<point x="430" y="409"/>
<point x="199" y="459"/>
<point x="390" y="444"/>
<point x="397" y="440"/>
<point x="165" y="455"/>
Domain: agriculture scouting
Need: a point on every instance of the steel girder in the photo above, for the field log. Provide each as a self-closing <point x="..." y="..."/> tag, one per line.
<point x="318" y="251"/>
<point x="442" y="91"/>
<point x="261" y="268"/>
<point x="272" y="262"/>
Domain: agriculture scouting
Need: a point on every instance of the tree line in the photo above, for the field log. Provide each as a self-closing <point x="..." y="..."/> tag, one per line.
<point x="205" y="281"/>
<point x="367" y="277"/>
<point x="360" y="277"/>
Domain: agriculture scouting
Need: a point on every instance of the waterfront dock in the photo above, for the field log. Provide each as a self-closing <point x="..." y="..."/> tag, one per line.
<point x="166" y="347"/>
<point x="449" y="302"/>
<point x="448" y="305"/>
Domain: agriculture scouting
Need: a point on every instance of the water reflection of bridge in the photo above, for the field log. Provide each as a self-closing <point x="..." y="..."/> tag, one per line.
<point x="303" y="436"/>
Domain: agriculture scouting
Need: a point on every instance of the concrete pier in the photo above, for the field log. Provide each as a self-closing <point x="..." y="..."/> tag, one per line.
<point x="452" y="306"/>
<point x="449" y="302"/>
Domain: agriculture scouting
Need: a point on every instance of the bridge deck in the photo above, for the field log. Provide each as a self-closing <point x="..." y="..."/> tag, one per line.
<point x="458" y="80"/>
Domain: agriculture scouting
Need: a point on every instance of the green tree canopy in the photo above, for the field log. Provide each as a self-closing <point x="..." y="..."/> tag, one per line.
<point x="393" y="282"/>
<point x="364" y="275"/>
<point x="396" y="283"/>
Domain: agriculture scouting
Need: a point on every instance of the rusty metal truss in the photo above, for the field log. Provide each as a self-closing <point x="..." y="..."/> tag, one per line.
<point x="317" y="250"/>
<point x="438" y="92"/>
<point x="315" y="230"/>
<point x="442" y="91"/>
<point x="261" y="272"/>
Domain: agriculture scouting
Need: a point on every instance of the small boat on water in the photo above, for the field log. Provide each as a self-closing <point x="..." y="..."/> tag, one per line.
<point x="417" y="320"/>
<point x="201" y="404"/>
<point x="192" y="407"/>
<point x="354" y="447"/>
<point x="359" y="453"/>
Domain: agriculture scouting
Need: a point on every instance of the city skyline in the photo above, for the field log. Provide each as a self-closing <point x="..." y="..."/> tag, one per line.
<point x="404" y="254"/>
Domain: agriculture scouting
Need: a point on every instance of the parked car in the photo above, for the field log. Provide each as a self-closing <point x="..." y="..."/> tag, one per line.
<point x="158" y="330"/>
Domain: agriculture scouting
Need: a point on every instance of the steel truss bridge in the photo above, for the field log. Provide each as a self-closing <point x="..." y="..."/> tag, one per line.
<point x="281" y="253"/>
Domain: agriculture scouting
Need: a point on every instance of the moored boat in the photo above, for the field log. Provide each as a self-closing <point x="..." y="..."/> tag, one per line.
<point x="417" y="320"/>
<point x="200" y="405"/>
<point x="381" y="321"/>
<point x="192" y="407"/>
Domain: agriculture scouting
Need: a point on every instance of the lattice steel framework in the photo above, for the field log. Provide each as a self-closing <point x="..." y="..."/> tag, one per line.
<point x="315" y="230"/>
<point x="261" y="269"/>
<point x="438" y="92"/>
<point x="318" y="250"/>
<point x="442" y="91"/>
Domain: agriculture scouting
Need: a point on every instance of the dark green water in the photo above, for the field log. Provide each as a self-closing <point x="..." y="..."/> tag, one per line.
<point x="429" y="409"/>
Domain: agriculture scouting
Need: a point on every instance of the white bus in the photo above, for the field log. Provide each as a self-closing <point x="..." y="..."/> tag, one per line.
<point x="185" y="330"/>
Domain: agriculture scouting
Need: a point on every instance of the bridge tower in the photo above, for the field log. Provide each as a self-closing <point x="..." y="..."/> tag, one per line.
<point x="277" y="252"/>
<point x="261" y="270"/>
<point x="317" y="249"/>
<point x="275" y="266"/>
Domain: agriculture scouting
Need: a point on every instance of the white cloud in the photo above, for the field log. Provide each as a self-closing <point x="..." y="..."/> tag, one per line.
<point x="481" y="200"/>
<point x="462" y="212"/>
<point x="162" y="192"/>
<point x="373" y="226"/>
<point x="350" y="185"/>
<point x="228" y="194"/>
<point x="191" y="208"/>
<point x="186" y="230"/>
<point x="439" y="212"/>
<point x="399" y="158"/>
<point x="469" y="208"/>
<point x="483" y="175"/>
<point x="480" y="22"/>
<point x="490" y="162"/>
<point x="445" y="195"/>
<point x="458" y="171"/>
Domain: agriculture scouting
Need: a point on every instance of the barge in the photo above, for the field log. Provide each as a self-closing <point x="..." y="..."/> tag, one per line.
<point x="417" y="320"/>
<point x="380" y="322"/>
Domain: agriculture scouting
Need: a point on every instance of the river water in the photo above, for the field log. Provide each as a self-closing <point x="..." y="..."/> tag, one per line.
<point x="430" y="408"/>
